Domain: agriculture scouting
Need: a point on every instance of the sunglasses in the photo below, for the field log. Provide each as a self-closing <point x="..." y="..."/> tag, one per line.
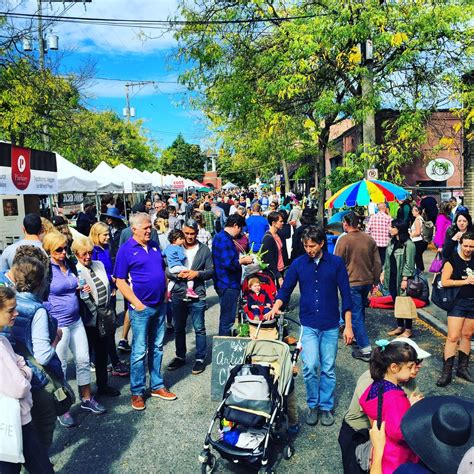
<point x="61" y="249"/>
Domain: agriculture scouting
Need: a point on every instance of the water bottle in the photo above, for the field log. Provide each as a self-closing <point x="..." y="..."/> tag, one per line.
<point x="82" y="281"/>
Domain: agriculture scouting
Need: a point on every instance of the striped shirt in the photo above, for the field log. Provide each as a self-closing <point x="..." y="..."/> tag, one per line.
<point x="101" y="289"/>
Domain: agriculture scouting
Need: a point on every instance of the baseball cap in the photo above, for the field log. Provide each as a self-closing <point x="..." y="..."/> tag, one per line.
<point x="420" y="353"/>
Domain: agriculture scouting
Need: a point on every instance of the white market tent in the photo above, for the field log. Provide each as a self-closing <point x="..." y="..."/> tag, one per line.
<point x="72" y="178"/>
<point x="104" y="174"/>
<point x="132" y="180"/>
<point x="228" y="186"/>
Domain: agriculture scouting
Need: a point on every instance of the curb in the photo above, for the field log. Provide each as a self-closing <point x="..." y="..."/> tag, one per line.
<point x="432" y="321"/>
<point x="435" y="323"/>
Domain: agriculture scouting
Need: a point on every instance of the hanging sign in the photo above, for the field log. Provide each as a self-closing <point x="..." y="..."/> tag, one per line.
<point x="27" y="171"/>
<point x="178" y="184"/>
<point x="440" y="169"/>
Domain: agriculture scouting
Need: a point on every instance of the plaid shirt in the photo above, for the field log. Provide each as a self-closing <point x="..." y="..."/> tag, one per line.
<point x="227" y="269"/>
<point x="209" y="219"/>
<point x="379" y="228"/>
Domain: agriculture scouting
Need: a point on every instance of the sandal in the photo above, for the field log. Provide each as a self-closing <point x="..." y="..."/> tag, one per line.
<point x="395" y="332"/>
<point x="406" y="333"/>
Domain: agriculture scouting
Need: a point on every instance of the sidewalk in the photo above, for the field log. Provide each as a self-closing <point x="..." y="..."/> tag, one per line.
<point x="431" y="314"/>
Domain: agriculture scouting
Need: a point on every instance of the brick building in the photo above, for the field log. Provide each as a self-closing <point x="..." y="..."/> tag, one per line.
<point x="346" y="136"/>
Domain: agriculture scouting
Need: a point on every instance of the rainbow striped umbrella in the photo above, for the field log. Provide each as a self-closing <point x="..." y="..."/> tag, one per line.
<point x="365" y="191"/>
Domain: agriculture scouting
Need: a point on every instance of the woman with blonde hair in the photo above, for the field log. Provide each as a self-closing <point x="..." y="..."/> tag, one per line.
<point x="63" y="305"/>
<point x="100" y="237"/>
<point x="98" y="316"/>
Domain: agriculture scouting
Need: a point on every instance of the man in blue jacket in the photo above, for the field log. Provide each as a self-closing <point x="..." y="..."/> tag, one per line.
<point x="320" y="276"/>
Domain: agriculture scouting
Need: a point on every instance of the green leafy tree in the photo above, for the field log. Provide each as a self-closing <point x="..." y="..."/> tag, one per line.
<point x="183" y="159"/>
<point x="304" y="64"/>
<point x="31" y="99"/>
<point x="91" y="137"/>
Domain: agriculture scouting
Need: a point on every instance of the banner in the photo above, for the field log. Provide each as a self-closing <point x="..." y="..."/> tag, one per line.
<point x="27" y="171"/>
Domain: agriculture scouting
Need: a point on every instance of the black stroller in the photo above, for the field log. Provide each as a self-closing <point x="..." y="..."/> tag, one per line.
<point x="253" y="411"/>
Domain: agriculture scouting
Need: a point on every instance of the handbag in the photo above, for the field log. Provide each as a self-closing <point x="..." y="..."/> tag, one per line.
<point x="436" y="264"/>
<point x="63" y="394"/>
<point x="11" y="436"/>
<point x="415" y="287"/>
<point x="405" y="308"/>
<point x="444" y="298"/>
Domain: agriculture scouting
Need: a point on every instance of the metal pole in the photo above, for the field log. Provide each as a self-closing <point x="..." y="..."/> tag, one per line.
<point x="40" y="35"/>
<point x="127" y="100"/>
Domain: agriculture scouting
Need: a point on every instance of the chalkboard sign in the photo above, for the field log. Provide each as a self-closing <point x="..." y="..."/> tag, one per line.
<point x="227" y="352"/>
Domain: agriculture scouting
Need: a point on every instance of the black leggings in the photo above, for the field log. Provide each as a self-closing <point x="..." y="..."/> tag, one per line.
<point x="420" y="246"/>
<point x="405" y="323"/>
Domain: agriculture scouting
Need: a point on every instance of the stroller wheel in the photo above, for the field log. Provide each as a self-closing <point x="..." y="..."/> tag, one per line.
<point x="288" y="451"/>
<point x="210" y="465"/>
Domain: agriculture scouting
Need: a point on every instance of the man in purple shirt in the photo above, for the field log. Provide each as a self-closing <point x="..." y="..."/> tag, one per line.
<point x="139" y="269"/>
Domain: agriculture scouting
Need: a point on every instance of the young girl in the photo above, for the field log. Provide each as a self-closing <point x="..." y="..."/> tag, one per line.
<point x="391" y="364"/>
<point x="176" y="259"/>
<point x="15" y="377"/>
<point x="258" y="300"/>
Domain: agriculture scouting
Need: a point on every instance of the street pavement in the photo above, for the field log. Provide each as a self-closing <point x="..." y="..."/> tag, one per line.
<point x="167" y="437"/>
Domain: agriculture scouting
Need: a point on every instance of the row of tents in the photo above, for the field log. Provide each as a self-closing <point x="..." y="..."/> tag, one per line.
<point x="105" y="179"/>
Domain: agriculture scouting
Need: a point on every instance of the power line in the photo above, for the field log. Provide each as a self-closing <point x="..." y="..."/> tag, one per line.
<point x="152" y="24"/>
<point x="135" y="80"/>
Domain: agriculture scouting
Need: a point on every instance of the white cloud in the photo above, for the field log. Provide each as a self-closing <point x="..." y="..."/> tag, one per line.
<point x="94" y="38"/>
<point x="103" y="88"/>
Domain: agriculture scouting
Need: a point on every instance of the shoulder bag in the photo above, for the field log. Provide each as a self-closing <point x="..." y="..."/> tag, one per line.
<point x="443" y="298"/>
<point x="62" y="393"/>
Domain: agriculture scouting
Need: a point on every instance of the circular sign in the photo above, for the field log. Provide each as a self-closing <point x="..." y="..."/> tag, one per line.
<point x="440" y="169"/>
<point x="21" y="163"/>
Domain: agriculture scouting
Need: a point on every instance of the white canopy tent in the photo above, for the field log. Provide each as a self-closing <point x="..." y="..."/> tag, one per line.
<point x="228" y="186"/>
<point x="104" y="174"/>
<point x="72" y="178"/>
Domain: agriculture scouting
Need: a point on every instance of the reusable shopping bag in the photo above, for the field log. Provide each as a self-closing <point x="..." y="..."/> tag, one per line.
<point x="11" y="438"/>
<point x="405" y="307"/>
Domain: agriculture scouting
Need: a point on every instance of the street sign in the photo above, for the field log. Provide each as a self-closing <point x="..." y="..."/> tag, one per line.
<point x="373" y="173"/>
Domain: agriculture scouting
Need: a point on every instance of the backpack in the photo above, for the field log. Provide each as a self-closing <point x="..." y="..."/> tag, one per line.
<point x="427" y="231"/>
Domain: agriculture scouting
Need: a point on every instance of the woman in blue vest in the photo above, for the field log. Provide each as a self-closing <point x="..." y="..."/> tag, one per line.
<point x="36" y="332"/>
<point x="15" y="382"/>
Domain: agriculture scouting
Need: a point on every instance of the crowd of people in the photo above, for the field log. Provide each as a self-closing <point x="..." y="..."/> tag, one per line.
<point x="58" y="295"/>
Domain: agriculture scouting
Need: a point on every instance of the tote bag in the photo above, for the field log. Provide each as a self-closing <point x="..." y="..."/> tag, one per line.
<point x="405" y="308"/>
<point x="11" y="438"/>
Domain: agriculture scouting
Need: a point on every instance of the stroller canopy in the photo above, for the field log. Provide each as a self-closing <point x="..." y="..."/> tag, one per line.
<point x="275" y="353"/>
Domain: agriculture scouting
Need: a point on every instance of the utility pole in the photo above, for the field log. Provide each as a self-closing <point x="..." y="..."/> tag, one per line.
<point x="130" y="111"/>
<point x="127" y="101"/>
<point x="46" y="142"/>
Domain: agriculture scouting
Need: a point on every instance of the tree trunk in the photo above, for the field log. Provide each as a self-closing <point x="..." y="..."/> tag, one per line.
<point x="286" y="176"/>
<point x="320" y="171"/>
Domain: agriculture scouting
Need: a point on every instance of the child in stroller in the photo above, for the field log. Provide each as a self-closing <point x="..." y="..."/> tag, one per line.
<point x="258" y="300"/>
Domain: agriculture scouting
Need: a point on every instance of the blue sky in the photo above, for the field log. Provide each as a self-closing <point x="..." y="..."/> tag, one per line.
<point x="121" y="53"/>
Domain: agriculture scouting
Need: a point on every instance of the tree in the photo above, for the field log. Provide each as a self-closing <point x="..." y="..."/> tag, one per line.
<point x="183" y="159"/>
<point x="301" y="62"/>
<point x="31" y="98"/>
<point x="91" y="137"/>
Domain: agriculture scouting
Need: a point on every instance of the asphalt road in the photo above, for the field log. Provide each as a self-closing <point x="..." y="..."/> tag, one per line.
<point x="168" y="436"/>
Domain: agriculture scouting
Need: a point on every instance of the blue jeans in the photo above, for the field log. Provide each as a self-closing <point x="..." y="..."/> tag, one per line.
<point x="319" y="352"/>
<point x="228" y="299"/>
<point x="181" y="311"/>
<point x="359" y="295"/>
<point x="148" y="327"/>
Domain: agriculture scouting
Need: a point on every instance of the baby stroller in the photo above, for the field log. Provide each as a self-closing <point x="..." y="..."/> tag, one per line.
<point x="253" y="410"/>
